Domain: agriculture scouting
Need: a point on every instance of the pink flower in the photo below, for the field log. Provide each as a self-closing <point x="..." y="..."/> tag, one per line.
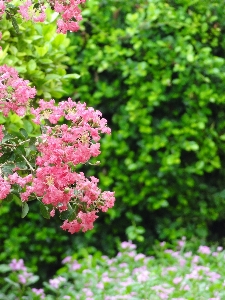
<point x="68" y="11"/>
<point x="100" y="285"/>
<point x="39" y="292"/>
<point x="185" y="287"/>
<point x="24" y="277"/>
<point x="75" y="266"/>
<point x="28" y="12"/>
<point x="17" y="265"/>
<point x="4" y="188"/>
<point x="204" y="250"/>
<point x="55" y="283"/>
<point x="128" y="245"/>
<point x="85" y="222"/>
<point x="15" y="92"/>
<point x="177" y="280"/>
<point x="67" y="259"/>
<point x="143" y="276"/>
<point x="2" y="7"/>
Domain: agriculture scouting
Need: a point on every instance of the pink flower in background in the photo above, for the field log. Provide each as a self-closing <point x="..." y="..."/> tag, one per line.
<point x="39" y="292"/>
<point x="24" y="277"/>
<point x="128" y="245"/>
<point x="100" y="285"/>
<point x="17" y="265"/>
<point x="55" y="283"/>
<point x="67" y="259"/>
<point x="75" y="265"/>
<point x="177" y="280"/>
<point x="204" y="250"/>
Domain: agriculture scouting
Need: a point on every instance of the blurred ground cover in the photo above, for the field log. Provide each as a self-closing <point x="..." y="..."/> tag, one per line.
<point x="174" y="273"/>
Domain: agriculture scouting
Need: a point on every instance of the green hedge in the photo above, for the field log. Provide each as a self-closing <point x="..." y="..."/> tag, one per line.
<point x="156" y="70"/>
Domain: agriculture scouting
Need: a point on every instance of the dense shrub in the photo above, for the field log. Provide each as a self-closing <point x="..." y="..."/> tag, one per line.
<point x="172" y="274"/>
<point x="156" y="70"/>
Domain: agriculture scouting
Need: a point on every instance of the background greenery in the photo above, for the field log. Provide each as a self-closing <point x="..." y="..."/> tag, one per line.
<point x="156" y="70"/>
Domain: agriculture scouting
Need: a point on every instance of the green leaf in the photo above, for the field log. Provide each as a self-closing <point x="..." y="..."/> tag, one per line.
<point x="45" y="61"/>
<point x="7" y="137"/>
<point x="9" y="198"/>
<point x="31" y="65"/>
<point x="24" y="133"/>
<point x="41" y="51"/>
<point x="4" y="268"/>
<point x="25" y="209"/>
<point x="52" y="76"/>
<point x="32" y="280"/>
<point x="220" y="194"/>
<point x="64" y="215"/>
<point x="72" y="216"/>
<point x="12" y="282"/>
<point x="7" y="169"/>
<point x="72" y="76"/>
<point x="15" y="25"/>
<point x="28" y="126"/>
<point x="44" y="211"/>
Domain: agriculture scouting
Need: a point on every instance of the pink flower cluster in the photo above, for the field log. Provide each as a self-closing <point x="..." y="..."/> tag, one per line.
<point x="2" y="7"/>
<point x="69" y="11"/>
<point x="4" y="188"/>
<point x="23" y="276"/>
<point x="61" y="148"/>
<point x="15" y="92"/>
<point x="29" y="12"/>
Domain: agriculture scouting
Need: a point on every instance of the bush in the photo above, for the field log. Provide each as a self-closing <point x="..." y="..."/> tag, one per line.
<point x="156" y="70"/>
<point x="175" y="273"/>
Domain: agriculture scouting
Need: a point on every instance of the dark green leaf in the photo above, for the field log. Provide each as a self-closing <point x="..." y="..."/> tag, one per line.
<point x="24" y="133"/>
<point x="4" y="268"/>
<point x="25" y="209"/>
<point x="15" y="25"/>
<point x="44" y="211"/>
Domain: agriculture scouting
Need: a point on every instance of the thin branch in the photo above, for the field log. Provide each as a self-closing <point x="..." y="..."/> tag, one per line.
<point x="28" y="163"/>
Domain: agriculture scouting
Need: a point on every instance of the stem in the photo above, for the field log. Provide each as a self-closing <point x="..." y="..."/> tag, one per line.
<point x="28" y="163"/>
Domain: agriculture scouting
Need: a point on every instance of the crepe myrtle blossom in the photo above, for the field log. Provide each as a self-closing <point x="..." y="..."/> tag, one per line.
<point x="60" y="148"/>
<point x="15" y="93"/>
<point x="30" y="12"/>
<point x="4" y="188"/>
<point x="69" y="12"/>
<point x="2" y="7"/>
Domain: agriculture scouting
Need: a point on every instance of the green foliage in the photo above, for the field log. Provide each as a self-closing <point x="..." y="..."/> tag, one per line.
<point x="39" y="54"/>
<point x="175" y="273"/>
<point x="156" y="70"/>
